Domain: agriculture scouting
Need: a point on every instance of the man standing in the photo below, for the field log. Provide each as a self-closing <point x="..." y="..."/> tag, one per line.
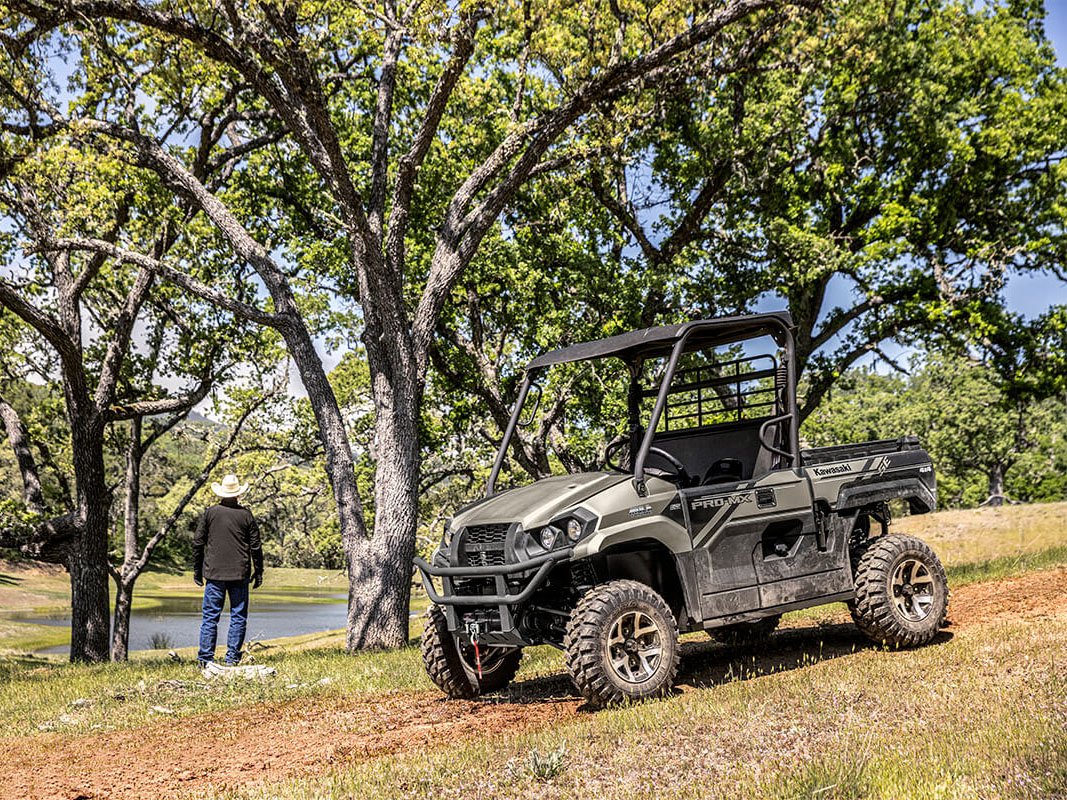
<point x="226" y="540"/>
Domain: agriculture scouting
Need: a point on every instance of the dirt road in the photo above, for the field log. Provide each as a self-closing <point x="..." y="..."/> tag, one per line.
<point x="265" y="743"/>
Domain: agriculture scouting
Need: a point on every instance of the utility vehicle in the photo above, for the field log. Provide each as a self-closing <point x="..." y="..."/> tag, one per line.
<point x="707" y="515"/>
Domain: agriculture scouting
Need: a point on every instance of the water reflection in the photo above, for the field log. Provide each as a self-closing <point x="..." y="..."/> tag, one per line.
<point x="175" y="621"/>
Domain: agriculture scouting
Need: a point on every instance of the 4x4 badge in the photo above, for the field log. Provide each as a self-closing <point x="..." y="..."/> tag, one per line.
<point x="638" y="511"/>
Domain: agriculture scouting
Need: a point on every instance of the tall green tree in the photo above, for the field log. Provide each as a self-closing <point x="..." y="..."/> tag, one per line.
<point x="883" y="170"/>
<point x="989" y="444"/>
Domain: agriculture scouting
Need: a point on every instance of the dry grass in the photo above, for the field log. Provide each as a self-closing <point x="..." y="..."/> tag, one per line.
<point x="981" y="534"/>
<point x="981" y="715"/>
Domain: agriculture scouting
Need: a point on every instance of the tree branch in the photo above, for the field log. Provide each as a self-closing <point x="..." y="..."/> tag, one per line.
<point x="383" y="113"/>
<point x="624" y="216"/>
<point x="165" y="405"/>
<point x="408" y="165"/>
<point x="462" y="232"/>
<point x="19" y="441"/>
<point x="175" y="276"/>
<point x="42" y="322"/>
<point x="121" y="327"/>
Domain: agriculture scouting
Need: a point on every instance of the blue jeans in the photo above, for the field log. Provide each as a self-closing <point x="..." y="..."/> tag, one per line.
<point x="214" y="596"/>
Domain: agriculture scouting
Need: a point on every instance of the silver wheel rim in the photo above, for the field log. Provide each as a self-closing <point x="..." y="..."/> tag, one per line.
<point x="912" y="589"/>
<point x="635" y="646"/>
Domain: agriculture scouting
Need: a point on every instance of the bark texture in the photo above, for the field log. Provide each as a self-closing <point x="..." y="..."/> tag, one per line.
<point x="120" y="631"/>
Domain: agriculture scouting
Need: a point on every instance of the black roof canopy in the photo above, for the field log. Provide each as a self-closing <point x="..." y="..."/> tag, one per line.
<point x="659" y="341"/>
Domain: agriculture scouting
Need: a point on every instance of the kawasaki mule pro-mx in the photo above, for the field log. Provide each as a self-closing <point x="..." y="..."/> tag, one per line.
<point x="706" y="516"/>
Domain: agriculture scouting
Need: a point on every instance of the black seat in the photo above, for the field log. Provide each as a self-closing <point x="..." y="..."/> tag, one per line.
<point x="725" y="470"/>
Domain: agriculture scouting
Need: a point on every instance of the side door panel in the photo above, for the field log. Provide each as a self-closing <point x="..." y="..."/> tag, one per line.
<point x="723" y="531"/>
<point x="793" y="561"/>
<point x="755" y="544"/>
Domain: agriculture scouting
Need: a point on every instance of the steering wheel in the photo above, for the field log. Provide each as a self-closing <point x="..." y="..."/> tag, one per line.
<point x="611" y="450"/>
<point x="679" y="469"/>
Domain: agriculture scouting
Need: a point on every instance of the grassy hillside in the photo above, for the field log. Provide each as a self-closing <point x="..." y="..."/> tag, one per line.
<point x="962" y="537"/>
<point x="946" y="721"/>
<point x="817" y="713"/>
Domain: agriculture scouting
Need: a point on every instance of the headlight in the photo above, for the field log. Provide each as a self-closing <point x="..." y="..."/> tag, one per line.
<point x="548" y="536"/>
<point x="574" y="530"/>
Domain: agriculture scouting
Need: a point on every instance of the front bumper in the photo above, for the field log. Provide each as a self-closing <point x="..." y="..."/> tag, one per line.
<point x="504" y="598"/>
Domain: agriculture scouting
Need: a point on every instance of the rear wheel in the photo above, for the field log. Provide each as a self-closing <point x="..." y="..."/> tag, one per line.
<point x="621" y="644"/>
<point x="746" y="633"/>
<point x="901" y="591"/>
<point x="455" y="669"/>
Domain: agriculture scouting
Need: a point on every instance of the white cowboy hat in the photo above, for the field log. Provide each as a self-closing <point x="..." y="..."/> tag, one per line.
<point x="230" y="487"/>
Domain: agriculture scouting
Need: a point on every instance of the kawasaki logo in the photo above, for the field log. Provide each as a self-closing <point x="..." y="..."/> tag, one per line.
<point x="838" y="469"/>
<point x="717" y="502"/>
<point x="483" y="547"/>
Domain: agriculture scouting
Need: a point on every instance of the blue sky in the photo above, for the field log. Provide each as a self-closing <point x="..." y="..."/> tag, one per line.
<point x="1031" y="296"/>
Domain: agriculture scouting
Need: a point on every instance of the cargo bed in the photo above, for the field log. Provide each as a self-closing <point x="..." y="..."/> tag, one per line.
<point x="846" y="452"/>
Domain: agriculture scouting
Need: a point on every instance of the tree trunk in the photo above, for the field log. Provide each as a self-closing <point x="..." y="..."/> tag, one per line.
<point x="89" y="624"/>
<point x="340" y="468"/>
<point x="379" y="593"/>
<point x="127" y="575"/>
<point x="120" y="632"/>
<point x="380" y="568"/>
<point x="996" y="485"/>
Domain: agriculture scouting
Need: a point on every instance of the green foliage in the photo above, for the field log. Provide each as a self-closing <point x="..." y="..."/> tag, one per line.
<point x="16" y="520"/>
<point x="909" y="161"/>
<point x="540" y="765"/>
<point x="982" y="441"/>
<point x="1029" y="356"/>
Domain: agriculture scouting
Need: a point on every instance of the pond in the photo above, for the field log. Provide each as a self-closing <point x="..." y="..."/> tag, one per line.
<point x="178" y="621"/>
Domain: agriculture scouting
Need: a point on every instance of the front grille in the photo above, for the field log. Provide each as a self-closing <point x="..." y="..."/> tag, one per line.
<point x="483" y="545"/>
<point x="487" y="534"/>
<point x="486" y="558"/>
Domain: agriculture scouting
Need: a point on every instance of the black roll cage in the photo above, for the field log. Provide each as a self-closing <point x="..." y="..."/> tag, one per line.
<point x="676" y="340"/>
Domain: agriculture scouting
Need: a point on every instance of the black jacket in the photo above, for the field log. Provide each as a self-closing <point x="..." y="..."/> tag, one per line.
<point x="226" y="539"/>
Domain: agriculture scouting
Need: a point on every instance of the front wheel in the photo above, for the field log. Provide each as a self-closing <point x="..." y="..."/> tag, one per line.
<point x="455" y="669"/>
<point x="621" y="644"/>
<point x="901" y="591"/>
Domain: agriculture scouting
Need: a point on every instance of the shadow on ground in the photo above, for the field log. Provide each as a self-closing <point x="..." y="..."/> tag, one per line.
<point x="706" y="663"/>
